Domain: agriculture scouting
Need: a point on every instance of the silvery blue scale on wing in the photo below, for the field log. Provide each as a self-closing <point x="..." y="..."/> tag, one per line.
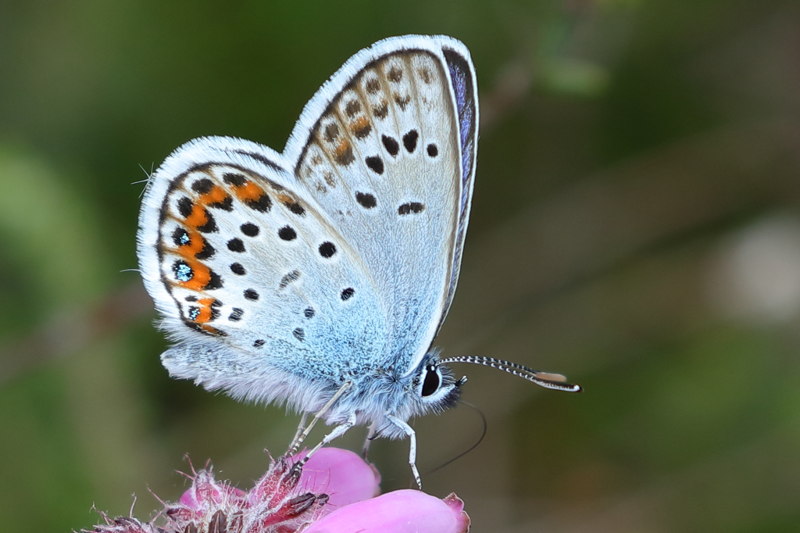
<point x="282" y="276"/>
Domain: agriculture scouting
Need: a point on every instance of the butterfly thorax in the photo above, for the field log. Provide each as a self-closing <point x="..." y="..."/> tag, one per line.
<point x="385" y="391"/>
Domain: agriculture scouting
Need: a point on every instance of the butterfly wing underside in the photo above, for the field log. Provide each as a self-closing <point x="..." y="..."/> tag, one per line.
<point x="340" y="254"/>
<point x="391" y="159"/>
<point x="251" y="279"/>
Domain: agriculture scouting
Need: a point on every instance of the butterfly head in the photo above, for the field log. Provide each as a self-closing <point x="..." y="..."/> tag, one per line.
<point x="428" y="388"/>
<point x="435" y="386"/>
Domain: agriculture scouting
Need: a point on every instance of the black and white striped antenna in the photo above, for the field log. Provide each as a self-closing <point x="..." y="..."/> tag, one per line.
<point x="548" y="380"/>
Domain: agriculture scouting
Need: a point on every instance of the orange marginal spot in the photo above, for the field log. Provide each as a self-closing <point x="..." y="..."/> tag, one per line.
<point x="343" y="148"/>
<point x="195" y="245"/>
<point x="286" y="199"/>
<point x="198" y="217"/>
<point x="360" y="127"/>
<point x="360" y="123"/>
<point x="216" y="195"/>
<point x="201" y="275"/>
<point x="205" y="313"/>
<point x="344" y="153"/>
<point x="249" y="192"/>
<point x="212" y="330"/>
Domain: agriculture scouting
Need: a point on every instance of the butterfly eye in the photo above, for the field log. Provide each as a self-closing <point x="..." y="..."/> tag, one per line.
<point x="431" y="382"/>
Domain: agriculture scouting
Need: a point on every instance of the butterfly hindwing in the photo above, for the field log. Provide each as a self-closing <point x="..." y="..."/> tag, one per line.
<point x="245" y="262"/>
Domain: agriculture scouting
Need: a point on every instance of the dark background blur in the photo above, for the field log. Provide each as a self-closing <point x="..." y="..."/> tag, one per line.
<point x="636" y="225"/>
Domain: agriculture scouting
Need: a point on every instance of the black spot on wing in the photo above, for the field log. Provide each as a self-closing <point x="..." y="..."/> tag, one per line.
<point x="180" y="237"/>
<point x="375" y="164"/>
<point x="327" y="249"/>
<point x="214" y="281"/>
<point x="366" y="200"/>
<point x="251" y="294"/>
<point x="391" y="145"/>
<point x="410" y="141"/>
<point x="236" y="245"/>
<point x="288" y="278"/>
<point x="232" y="178"/>
<point x="249" y="229"/>
<point x="206" y="252"/>
<point x="185" y="206"/>
<point x="202" y="186"/>
<point x="210" y="226"/>
<point x="410" y="208"/>
<point x="287" y="233"/>
<point x="262" y="204"/>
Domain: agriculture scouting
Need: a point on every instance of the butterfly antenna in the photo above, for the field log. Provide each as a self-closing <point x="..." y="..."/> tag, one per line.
<point x="484" y="426"/>
<point x="548" y="380"/>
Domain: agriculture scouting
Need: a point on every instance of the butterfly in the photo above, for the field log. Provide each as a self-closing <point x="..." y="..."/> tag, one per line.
<point x="319" y="277"/>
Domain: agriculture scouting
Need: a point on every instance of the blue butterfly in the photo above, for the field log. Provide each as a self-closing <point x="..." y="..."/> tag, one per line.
<point x="319" y="277"/>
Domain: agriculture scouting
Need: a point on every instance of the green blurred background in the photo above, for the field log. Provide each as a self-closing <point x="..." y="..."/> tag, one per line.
<point x="636" y="225"/>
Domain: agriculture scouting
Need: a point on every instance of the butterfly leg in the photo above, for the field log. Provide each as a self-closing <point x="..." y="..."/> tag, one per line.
<point x="300" y="427"/>
<point x="301" y="435"/>
<point x="412" y="445"/>
<point x="371" y="434"/>
<point x="337" y="432"/>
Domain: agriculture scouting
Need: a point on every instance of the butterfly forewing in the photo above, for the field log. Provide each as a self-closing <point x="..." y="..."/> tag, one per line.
<point x="385" y="160"/>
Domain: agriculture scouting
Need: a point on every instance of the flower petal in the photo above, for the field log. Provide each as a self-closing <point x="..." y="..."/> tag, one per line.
<point x="206" y="492"/>
<point x="400" y="511"/>
<point x="341" y="474"/>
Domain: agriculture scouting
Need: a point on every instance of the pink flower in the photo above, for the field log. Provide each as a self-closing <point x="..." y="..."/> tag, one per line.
<point x="401" y="511"/>
<point x="341" y="474"/>
<point x="334" y="492"/>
